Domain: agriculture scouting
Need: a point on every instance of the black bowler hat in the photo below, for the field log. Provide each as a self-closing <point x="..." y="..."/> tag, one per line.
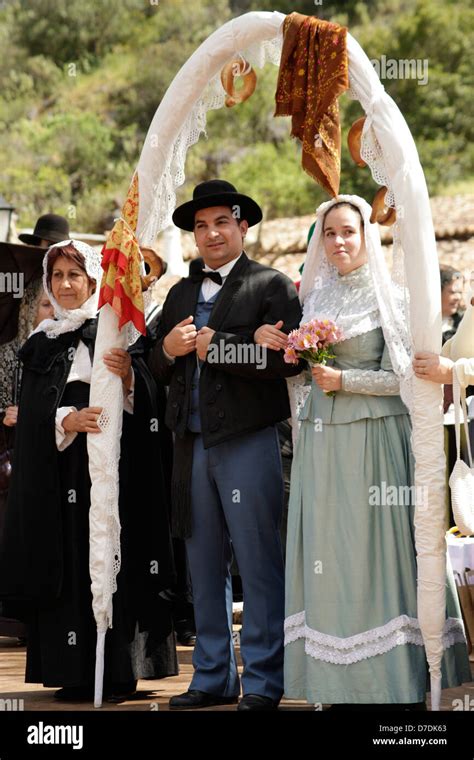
<point x="50" y="227"/>
<point x="217" y="192"/>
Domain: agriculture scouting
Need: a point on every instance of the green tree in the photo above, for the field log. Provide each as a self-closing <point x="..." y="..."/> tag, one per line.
<point x="74" y="140"/>
<point x="83" y="30"/>
<point x="439" y="113"/>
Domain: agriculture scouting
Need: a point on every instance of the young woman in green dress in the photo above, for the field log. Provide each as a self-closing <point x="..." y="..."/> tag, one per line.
<point x="351" y="631"/>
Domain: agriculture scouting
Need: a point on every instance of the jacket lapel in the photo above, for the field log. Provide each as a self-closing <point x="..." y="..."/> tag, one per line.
<point x="187" y="307"/>
<point x="191" y="292"/>
<point x="228" y="293"/>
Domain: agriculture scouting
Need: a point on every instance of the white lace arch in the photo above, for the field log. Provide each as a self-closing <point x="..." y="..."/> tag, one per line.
<point x="389" y="150"/>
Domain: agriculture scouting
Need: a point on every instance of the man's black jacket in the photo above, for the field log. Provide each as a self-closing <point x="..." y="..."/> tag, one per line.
<point x="235" y="397"/>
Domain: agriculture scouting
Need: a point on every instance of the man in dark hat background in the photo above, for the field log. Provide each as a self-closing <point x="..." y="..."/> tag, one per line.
<point x="223" y="405"/>
<point x="49" y="229"/>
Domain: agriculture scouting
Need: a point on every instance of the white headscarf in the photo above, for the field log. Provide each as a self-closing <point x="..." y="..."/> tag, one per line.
<point x="391" y="299"/>
<point x="68" y="320"/>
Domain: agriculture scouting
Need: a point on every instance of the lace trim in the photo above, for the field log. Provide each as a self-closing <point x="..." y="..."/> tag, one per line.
<point x="213" y="97"/>
<point x="349" y="301"/>
<point x="370" y="382"/>
<point x="345" y="651"/>
<point x="372" y="154"/>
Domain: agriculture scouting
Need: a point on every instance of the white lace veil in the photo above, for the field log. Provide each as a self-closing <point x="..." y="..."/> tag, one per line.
<point x="68" y="320"/>
<point x="391" y="298"/>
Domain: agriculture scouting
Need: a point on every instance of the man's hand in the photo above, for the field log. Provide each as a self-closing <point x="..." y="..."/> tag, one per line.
<point x="429" y="366"/>
<point x="328" y="378"/>
<point x="84" y="421"/>
<point x="204" y="337"/>
<point x="181" y="340"/>
<point x="119" y="362"/>
<point x="271" y="336"/>
<point x="11" y="416"/>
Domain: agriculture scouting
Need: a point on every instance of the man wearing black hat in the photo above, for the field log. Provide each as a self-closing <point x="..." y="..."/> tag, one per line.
<point x="49" y="229"/>
<point x="225" y="398"/>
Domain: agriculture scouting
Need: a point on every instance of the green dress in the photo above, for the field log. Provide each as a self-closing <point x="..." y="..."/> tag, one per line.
<point x="351" y="629"/>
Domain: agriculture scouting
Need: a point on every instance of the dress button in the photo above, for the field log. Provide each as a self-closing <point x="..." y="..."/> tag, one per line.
<point x="174" y="404"/>
<point x="221" y="414"/>
<point x="218" y="387"/>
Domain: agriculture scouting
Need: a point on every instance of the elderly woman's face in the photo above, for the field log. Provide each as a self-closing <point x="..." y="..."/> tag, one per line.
<point x="70" y="284"/>
<point x="451" y="296"/>
<point x="343" y="241"/>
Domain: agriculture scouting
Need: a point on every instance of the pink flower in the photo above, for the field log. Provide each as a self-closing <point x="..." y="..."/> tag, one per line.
<point x="313" y="341"/>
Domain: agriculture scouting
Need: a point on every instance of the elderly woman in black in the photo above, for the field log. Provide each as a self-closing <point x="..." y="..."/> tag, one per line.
<point x="44" y="560"/>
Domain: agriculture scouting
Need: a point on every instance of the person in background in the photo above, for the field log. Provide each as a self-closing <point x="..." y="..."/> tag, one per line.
<point x="49" y="229"/>
<point x="457" y="355"/>
<point x="180" y="596"/>
<point x="35" y="306"/>
<point x="451" y="298"/>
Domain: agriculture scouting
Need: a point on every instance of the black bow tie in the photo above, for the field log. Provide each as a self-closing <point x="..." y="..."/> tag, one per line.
<point x="200" y="274"/>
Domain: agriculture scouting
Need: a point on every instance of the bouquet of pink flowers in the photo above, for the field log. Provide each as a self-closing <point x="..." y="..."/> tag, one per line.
<point x="313" y="341"/>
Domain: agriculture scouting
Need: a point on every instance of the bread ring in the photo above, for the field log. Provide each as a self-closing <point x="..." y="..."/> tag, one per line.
<point x="238" y="67"/>
<point x="354" y="139"/>
<point x="381" y="213"/>
<point x="156" y="264"/>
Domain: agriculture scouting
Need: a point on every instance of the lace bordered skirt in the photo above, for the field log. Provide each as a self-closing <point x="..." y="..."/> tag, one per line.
<point x="351" y="629"/>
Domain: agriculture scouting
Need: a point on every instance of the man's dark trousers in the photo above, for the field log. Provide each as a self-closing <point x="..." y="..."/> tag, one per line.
<point x="237" y="494"/>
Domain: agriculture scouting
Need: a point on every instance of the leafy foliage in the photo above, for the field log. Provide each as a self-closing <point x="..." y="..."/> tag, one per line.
<point x="82" y="80"/>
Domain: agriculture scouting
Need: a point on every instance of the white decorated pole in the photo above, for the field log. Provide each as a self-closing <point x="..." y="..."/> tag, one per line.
<point x="407" y="181"/>
<point x="104" y="453"/>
